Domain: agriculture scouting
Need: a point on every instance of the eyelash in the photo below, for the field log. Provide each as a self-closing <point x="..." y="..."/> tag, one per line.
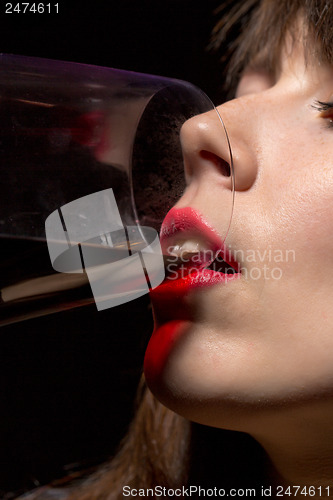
<point x="326" y="108"/>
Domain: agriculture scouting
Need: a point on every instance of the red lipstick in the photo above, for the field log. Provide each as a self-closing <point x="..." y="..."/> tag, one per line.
<point x="187" y="273"/>
<point x="181" y="225"/>
<point x="189" y="222"/>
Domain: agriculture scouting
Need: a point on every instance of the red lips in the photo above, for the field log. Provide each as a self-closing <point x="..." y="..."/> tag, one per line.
<point x="188" y="221"/>
<point x="184" y="224"/>
<point x="185" y="275"/>
<point x="173" y="312"/>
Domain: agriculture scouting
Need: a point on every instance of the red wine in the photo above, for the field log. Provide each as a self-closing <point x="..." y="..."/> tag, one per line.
<point x="29" y="285"/>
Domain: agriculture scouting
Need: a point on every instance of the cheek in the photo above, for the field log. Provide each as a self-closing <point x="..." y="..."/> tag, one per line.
<point x="297" y="193"/>
<point x="310" y="211"/>
<point x="296" y="196"/>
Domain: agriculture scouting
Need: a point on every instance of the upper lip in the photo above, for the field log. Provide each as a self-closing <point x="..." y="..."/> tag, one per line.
<point x="182" y="224"/>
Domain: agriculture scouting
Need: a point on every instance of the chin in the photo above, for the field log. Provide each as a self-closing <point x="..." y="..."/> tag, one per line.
<point x="190" y="393"/>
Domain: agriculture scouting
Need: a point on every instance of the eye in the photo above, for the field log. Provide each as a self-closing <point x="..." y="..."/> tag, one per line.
<point x="326" y="111"/>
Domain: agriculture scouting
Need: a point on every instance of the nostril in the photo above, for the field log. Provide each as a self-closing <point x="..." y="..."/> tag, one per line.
<point x="221" y="164"/>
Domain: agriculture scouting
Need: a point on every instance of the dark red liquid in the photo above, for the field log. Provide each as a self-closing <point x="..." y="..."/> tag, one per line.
<point x="29" y="285"/>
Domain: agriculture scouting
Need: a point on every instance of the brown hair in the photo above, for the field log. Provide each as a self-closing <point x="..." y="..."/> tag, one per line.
<point x="162" y="448"/>
<point x="255" y="30"/>
<point x="154" y="452"/>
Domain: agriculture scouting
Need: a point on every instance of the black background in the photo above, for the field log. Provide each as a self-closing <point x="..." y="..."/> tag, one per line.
<point x="67" y="381"/>
<point x="166" y="37"/>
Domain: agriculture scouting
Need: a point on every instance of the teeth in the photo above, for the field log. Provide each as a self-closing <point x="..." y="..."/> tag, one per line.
<point x="187" y="247"/>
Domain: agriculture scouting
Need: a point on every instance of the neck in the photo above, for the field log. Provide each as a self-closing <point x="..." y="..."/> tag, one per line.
<point x="300" y="450"/>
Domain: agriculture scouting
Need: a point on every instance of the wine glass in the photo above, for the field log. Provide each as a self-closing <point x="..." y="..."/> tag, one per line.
<point x="91" y="163"/>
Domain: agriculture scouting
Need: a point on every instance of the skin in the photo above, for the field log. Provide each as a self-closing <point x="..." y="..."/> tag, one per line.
<point x="256" y="354"/>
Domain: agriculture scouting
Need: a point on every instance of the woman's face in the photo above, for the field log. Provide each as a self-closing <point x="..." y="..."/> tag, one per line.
<point x="263" y="338"/>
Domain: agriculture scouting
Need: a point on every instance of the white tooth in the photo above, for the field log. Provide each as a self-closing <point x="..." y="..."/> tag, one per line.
<point x="188" y="246"/>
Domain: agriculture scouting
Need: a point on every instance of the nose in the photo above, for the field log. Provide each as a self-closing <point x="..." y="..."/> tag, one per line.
<point x="210" y="146"/>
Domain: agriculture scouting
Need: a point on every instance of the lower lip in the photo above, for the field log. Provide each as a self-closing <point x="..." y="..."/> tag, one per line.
<point x="199" y="279"/>
<point x="172" y="317"/>
<point x="168" y="297"/>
